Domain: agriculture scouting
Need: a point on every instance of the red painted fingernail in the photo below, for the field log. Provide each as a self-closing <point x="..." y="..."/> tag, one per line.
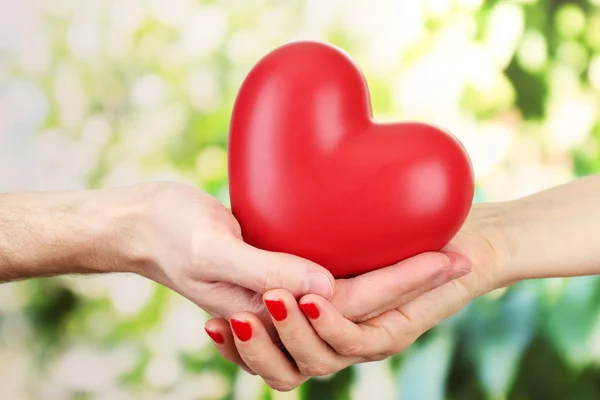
<point x="310" y="310"/>
<point x="242" y="329"/>
<point x="216" y="336"/>
<point x="277" y="309"/>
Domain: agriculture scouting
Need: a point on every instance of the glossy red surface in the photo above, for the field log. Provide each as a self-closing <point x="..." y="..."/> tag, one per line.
<point x="313" y="175"/>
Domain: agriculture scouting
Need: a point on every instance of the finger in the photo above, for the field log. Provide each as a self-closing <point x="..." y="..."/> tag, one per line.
<point x="261" y="355"/>
<point x="459" y="267"/>
<point x="312" y="355"/>
<point x="356" y="299"/>
<point x="219" y="331"/>
<point x="347" y="338"/>
<point x="432" y="307"/>
<point x="222" y="298"/>
<point x="260" y="270"/>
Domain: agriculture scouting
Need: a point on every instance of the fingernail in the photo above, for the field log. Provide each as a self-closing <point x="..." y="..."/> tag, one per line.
<point x="216" y="336"/>
<point x="310" y="310"/>
<point x="318" y="283"/>
<point x="277" y="309"/>
<point x="459" y="273"/>
<point x="242" y="329"/>
<point x="460" y="264"/>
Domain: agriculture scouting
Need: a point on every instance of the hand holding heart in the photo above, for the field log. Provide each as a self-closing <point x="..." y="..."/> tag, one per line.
<point x="323" y="337"/>
<point x="192" y="244"/>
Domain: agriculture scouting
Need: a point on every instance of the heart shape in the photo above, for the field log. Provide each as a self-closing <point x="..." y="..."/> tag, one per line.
<point x="313" y="175"/>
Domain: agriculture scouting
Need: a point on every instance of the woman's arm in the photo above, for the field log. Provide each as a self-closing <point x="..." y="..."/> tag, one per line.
<point x="555" y="232"/>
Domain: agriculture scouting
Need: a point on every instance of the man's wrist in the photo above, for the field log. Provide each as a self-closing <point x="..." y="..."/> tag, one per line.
<point x="43" y="234"/>
<point x="115" y="220"/>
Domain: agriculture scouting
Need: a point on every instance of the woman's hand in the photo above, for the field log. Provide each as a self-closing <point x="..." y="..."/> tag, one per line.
<point x="358" y="299"/>
<point x="322" y="337"/>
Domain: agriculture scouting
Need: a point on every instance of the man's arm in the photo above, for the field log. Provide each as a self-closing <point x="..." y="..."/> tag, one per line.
<point x="52" y="233"/>
<point x="174" y="234"/>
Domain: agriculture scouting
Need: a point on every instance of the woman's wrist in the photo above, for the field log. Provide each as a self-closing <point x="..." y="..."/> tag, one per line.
<point x="512" y="232"/>
<point x="554" y="233"/>
<point x="505" y="239"/>
<point x="486" y="238"/>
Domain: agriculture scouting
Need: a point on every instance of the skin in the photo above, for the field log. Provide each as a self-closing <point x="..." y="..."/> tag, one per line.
<point x="186" y="240"/>
<point x="553" y="233"/>
<point x="172" y="233"/>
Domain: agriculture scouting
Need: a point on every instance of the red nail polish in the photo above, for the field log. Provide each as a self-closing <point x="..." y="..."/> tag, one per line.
<point x="242" y="329"/>
<point x="216" y="336"/>
<point x="310" y="310"/>
<point x="277" y="309"/>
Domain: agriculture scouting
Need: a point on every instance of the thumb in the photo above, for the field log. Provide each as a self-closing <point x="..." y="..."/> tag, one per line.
<point x="395" y="285"/>
<point x="261" y="270"/>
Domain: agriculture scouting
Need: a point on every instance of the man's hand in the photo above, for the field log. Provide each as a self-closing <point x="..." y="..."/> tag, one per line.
<point x="172" y="233"/>
<point x="186" y="240"/>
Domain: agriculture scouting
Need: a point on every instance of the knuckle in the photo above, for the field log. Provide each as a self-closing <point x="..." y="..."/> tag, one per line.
<point x="282" y="385"/>
<point x="254" y="359"/>
<point x="389" y="352"/>
<point x="379" y="357"/>
<point x="272" y="279"/>
<point x="352" y="350"/>
<point x="316" y="369"/>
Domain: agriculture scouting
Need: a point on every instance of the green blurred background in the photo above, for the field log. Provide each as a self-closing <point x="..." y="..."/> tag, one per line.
<point x="101" y="93"/>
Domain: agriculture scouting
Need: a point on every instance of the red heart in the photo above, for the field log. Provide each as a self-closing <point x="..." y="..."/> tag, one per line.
<point x="313" y="175"/>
